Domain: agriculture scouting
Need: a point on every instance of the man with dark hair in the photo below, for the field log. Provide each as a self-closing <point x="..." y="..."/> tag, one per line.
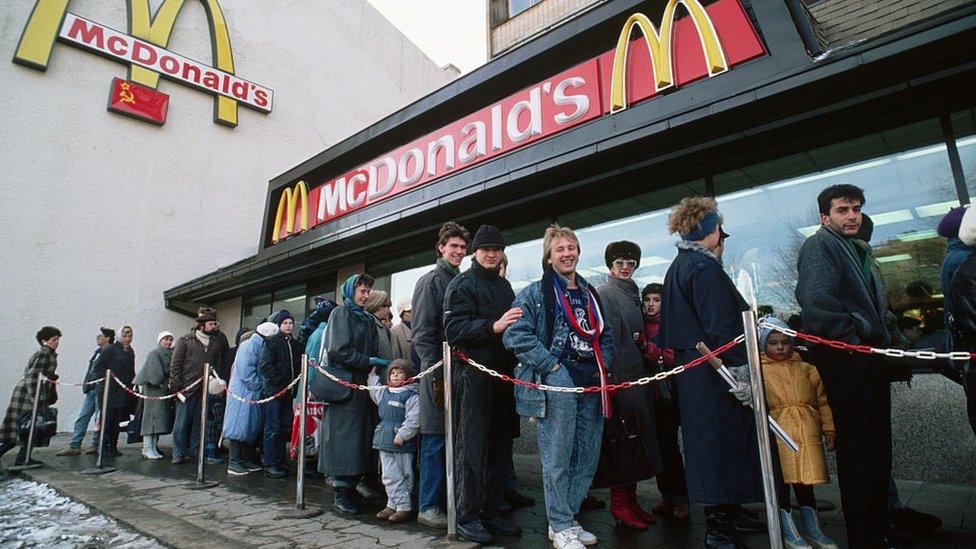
<point x="477" y="311"/>
<point x="191" y="352"/>
<point x="217" y="402"/>
<point x="842" y="298"/>
<point x="105" y="337"/>
<point x="428" y="338"/>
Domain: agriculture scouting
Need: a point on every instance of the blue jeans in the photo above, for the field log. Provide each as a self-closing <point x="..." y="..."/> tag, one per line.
<point x="186" y="427"/>
<point x="277" y="431"/>
<point x="433" y="472"/>
<point x="569" y="445"/>
<point x="88" y="409"/>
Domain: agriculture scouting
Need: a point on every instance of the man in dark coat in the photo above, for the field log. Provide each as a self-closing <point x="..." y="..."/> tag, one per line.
<point x="700" y="304"/>
<point x="280" y="363"/>
<point x="217" y="403"/>
<point x="428" y="339"/>
<point x="477" y="311"/>
<point x="121" y="359"/>
<point x="622" y="311"/>
<point x="191" y="352"/>
<point x="962" y="288"/>
<point x="842" y="298"/>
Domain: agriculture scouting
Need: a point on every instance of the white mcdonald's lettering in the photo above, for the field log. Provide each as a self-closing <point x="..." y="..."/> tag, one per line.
<point x="127" y="49"/>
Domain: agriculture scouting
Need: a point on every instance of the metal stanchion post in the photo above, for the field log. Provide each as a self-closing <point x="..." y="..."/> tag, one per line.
<point x="201" y="482"/>
<point x="301" y="511"/>
<point x="30" y="435"/>
<point x="99" y="470"/>
<point x="762" y="429"/>
<point x="449" y="444"/>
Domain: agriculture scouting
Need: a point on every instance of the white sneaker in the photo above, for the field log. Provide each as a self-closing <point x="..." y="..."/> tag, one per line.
<point x="433" y="517"/>
<point x="566" y="539"/>
<point x="586" y="538"/>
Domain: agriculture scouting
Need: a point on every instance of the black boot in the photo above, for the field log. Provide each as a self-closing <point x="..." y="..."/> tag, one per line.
<point x="343" y="501"/>
<point x="6" y="447"/>
<point x="720" y="528"/>
<point x="22" y="457"/>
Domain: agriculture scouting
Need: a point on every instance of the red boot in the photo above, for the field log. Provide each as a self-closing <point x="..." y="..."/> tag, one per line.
<point x="622" y="509"/>
<point x="641" y="513"/>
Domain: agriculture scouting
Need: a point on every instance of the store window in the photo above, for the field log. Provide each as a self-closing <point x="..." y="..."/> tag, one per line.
<point x="255" y="309"/>
<point x="516" y="7"/>
<point x="964" y="126"/>
<point x="291" y="298"/>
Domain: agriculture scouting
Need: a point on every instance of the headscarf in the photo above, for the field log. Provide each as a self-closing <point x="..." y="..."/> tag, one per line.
<point x="764" y="331"/>
<point x="348" y="292"/>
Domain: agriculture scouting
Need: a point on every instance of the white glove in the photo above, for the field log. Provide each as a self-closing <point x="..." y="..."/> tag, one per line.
<point x="743" y="389"/>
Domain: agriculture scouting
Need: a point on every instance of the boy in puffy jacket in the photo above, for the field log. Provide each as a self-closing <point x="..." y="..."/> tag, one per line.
<point x="396" y="437"/>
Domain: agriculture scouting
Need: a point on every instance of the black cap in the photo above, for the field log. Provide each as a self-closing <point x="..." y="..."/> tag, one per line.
<point x="622" y="250"/>
<point x="488" y="236"/>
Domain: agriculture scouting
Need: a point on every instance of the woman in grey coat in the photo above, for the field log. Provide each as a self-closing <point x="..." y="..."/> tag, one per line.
<point x="157" y="415"/>
<point x="346" y="433"/>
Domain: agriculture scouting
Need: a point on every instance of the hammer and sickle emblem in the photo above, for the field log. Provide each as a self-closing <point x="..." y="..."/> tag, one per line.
<point x="125" y="95"/>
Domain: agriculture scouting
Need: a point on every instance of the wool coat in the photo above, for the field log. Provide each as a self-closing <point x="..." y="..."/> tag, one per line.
<point x="189" y="356"/>
<point x="242" y="422"/>
<point x="428" y="339"/>
<point x="346" y="432"/>
<point x="280" y="363"/>
<point x="622" y="310"/>
<point x="796" y="399"/>
<point x="401" y="338"/>
<point x="384" y="340"/>
<point x="701" y="304"/>
<point x="157" y="415"/>
<point x="122" y="362"/>
<point x="44" y="361"/>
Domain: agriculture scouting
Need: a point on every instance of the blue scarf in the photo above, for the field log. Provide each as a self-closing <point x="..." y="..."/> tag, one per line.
<point x="348" y="292"/>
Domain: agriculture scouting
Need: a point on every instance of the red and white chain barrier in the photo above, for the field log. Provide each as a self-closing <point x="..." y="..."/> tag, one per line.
<point x="146" y="397"/>
<point x="867" y="349"/>
<point x="358" y="387"/>
<point x="610" y="388"/>
<point x="82" y="384"/>
<point x="264" y="400"/>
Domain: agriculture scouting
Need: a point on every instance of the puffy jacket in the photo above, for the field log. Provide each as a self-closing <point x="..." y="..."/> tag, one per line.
<point x="474" y="300"/>
<point x="281" y="362"/>
<point x="538" y="339"/>
<point x="242" y="422"/>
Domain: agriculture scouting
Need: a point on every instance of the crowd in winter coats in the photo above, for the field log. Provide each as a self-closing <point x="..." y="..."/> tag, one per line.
<point x="561" y="332"/>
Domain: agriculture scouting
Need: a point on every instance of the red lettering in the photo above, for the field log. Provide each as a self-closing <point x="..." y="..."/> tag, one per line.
<point x="240" y="89"/>
<point x="195" y="70"/>
<point x="80" y="30"/>
<point x="211" y="80"/>
<point x="169" y="64"/>
<point x="117" y="45"/>
<point x="226" y="81"/>
<point x="141" y="53"/>
<point x="261" y="98"/>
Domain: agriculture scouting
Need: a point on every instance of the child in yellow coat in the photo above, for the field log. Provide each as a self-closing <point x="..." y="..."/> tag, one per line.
<point x="797" y="401"/>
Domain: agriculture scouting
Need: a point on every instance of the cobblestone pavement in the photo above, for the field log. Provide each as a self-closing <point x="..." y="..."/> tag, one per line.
<point x="152" y="498"/>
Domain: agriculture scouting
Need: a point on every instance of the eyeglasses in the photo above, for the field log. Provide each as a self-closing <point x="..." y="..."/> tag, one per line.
<point x="621" y="263"/>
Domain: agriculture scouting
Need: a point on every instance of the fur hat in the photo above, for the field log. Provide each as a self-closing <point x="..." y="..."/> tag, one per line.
<point x="622" y="250"/>
<point x="206" y="316"/>
<point x="400" y="364"/>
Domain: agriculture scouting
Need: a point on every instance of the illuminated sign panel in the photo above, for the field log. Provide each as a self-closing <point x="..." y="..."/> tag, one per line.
<point x="144" y="49"/>
<point x="708" y="41"/>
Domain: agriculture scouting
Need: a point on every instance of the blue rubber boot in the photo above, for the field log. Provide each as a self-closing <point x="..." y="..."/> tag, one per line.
<point x="812" y="531"/>
<point x="791" y="536"/>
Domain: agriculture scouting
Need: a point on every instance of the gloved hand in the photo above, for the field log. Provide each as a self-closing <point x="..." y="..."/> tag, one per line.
<point x="743" y="389"/>
<point x="437" y="391"/>
<point x="377" y="361"/>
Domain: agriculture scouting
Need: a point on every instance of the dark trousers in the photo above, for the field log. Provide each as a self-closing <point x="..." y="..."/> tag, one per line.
<point x="667" y="418"/>
<point x="804" y="496"/>
<point x="215" y="422"/>
<point x="186" y="427"/>
<point x="969" y="384"/>
<point x="483" y="443"/>
<point x="858" y="394"/>
<point x="113" y="416"/>
<point x="277" y="431"/>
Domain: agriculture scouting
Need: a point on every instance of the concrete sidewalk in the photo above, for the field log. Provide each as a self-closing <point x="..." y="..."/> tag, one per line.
<point x="241" y="511"/>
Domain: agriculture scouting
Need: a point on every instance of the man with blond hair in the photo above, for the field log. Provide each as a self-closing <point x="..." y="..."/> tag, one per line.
<point x="560" y="340"/>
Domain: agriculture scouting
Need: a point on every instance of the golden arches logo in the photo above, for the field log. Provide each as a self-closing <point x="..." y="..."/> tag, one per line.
<point x="659" y="47"/>
<point x="288" y="205"/>
<point x="42" y="28"/>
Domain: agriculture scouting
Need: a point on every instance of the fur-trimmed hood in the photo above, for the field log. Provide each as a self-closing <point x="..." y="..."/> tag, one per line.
<point x="267" y="329"/>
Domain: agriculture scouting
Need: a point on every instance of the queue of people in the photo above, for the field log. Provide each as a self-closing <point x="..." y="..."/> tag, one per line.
<point x="563" y="332"/>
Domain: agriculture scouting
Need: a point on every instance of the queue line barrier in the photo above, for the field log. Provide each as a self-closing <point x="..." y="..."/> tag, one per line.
<point x="867" y="349"/>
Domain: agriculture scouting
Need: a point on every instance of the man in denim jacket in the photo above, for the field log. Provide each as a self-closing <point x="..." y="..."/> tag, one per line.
<point x="561" y="341"/>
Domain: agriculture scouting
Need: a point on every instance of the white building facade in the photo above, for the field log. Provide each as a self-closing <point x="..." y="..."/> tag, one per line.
<point x="104" y="212"/>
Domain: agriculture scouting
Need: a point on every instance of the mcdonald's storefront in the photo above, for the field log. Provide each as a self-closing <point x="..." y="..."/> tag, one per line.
<point x="606" y="121"/>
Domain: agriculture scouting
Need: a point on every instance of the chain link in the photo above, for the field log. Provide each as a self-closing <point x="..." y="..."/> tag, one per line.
<point x="358" y="387"/>
<point x="867" y="349"/>
<point x="264" y="400"/>
<point x="147" y="397"/>
<point x="82" y="384"/>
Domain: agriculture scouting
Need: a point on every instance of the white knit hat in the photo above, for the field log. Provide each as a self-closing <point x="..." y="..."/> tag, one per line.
<point x="162" y="335"/>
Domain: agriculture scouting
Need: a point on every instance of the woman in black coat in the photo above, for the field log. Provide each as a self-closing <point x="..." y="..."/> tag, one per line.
<point x="700" y="304"/>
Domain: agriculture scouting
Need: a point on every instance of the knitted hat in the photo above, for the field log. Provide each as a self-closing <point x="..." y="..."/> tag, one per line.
<point x="108" y="332"/>
<point x="404" y="305"/>
<point x="163" y="335"/>
<point x="949" y="226"/>
<point x="488" y="236"/>
<point x="765" y="331"/>
<point x="377" y="300"/>
<point x="400" y="364"/>
<point x="281" y="316"/>
<point x="622" y="250"/>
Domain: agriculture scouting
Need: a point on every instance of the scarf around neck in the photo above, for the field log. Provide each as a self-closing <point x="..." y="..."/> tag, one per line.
<point x="203" y="338"/>
<point x="696" y="247"/>
<point x="443" y="264"/>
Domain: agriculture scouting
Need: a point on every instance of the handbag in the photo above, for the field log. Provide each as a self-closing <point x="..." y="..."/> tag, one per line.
<point x="134" y="429"/>
<point x="44" y="429"/>
<point x="329" y="391"/>
<point x="623" y="455"/>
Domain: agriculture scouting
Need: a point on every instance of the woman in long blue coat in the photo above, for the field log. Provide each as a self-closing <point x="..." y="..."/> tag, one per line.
<point x="242" y="422"/>
<point x="701" y="304"/>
